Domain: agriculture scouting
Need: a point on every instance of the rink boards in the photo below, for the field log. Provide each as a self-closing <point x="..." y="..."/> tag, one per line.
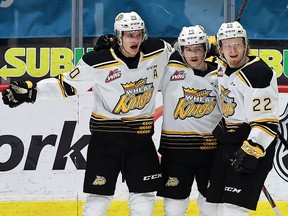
<point x="42" y="153"/>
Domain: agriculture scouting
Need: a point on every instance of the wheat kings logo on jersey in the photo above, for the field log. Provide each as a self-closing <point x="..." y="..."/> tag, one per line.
<point x="281" y="154"/>
<point x="195" y="103"/>
<point x="136" y="96"/>
<point x="227" y="103"/>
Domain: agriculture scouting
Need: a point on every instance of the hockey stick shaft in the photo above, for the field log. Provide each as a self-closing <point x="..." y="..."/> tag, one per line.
<point x="271" y="201"/>
<point x="241" y="11"/>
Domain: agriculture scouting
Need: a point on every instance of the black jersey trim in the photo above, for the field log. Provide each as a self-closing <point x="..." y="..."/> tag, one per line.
<point x="241" y="74"/>
<point x="256" y="73"/>
<point x="188" y="142"/>
<point x="66" y="89"/>
<point x="194" y="134"/>
<point x="152" y="54"/>
<point x="177" y="63"/>
<point x="107" y="64"/>
<point x="112" y="60"/>
<point x="243" y="78"/>
<point x="141" y="126"/>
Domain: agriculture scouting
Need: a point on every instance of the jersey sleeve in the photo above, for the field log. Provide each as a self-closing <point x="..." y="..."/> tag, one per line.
<point x="262" y="112"/>
<point x="82" y="77"/>
<point x="48" y="89"/>
<point x="78" y="80"/>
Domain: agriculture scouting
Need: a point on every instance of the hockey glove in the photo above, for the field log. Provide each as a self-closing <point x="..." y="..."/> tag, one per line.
<point x="18" y="93"/>
<point x="104" y="42"/>
<point x="231" y="136"/>
<point x="246" y="158"/>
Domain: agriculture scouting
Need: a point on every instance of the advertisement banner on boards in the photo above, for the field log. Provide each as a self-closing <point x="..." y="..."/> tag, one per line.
<point x="37" y="58"/>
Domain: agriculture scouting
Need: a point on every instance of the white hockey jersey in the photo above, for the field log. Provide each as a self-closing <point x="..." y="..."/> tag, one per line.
<point x="190" y="110"/>
<point x="250" y="95"/>
<point x="120" y="93"/>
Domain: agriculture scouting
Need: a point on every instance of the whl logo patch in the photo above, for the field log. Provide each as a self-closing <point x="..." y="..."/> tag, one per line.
<point x="113" y="74"/>
<point x="178" y="75"/>
<point x="281" y="154"/>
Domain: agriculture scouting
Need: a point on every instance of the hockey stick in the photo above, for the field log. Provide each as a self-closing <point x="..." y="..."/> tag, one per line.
<point x="271" y="201"/>
<point x="241" y="11"/>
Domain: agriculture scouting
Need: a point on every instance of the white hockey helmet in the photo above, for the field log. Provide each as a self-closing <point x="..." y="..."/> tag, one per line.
<point x="130" y="21"/>
<point x="191" y="35"/>
<point x="231" y="30"/>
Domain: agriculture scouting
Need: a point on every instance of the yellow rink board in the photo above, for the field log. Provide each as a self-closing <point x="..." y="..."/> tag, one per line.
<point x="117" y="208"/>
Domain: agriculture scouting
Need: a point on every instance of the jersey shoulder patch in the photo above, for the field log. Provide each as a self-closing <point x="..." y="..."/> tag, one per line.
<point x="176" y="57"/>
<point x="99" y="58"/>
<point x="258" y="73"/>
<point x="153" y="47"/>
<point x="176" y="60"/>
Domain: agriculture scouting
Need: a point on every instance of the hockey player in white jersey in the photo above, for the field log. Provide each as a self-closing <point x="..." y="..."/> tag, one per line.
<point x="247" y="136"/>
<point x="190" y="114"/>
<point x="124" y="81"/>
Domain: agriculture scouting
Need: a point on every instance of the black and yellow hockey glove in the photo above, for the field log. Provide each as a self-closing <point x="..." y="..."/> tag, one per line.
<point x="246" y="157"/>
<point x="18" y="93"/>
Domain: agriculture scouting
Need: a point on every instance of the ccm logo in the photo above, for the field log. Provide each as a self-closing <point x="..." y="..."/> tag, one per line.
<point x="155" y="176"/>
<point x="233" y="190"/>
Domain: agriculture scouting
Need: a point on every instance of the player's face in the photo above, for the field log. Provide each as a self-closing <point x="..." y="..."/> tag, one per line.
<point x="234" y="51"/>
<point x="194" y="55"/>
<point x="131" y="41"/>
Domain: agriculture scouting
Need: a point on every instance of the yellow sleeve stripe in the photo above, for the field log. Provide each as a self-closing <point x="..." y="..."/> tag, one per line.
<point x="107" y="64"/>
<point x="99" y="116"/>
<point x="173" y="64"/>
<point x="146" y="57"/>
<point x="267" y="121"/>
<point x="59" y="80"/>
<point x="266" y="130"/>
<point x="243" y="78"/>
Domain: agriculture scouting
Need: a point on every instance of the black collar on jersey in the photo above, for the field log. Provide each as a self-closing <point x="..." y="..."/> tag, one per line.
<point x="230" y="70"/>
<point x="131" y="62"/>
<point x="210" y="67"/>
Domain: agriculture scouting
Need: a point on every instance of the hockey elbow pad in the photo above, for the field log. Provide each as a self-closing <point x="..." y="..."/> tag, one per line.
<point x="18" y="93"/>
<point x="247" y="156"/>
